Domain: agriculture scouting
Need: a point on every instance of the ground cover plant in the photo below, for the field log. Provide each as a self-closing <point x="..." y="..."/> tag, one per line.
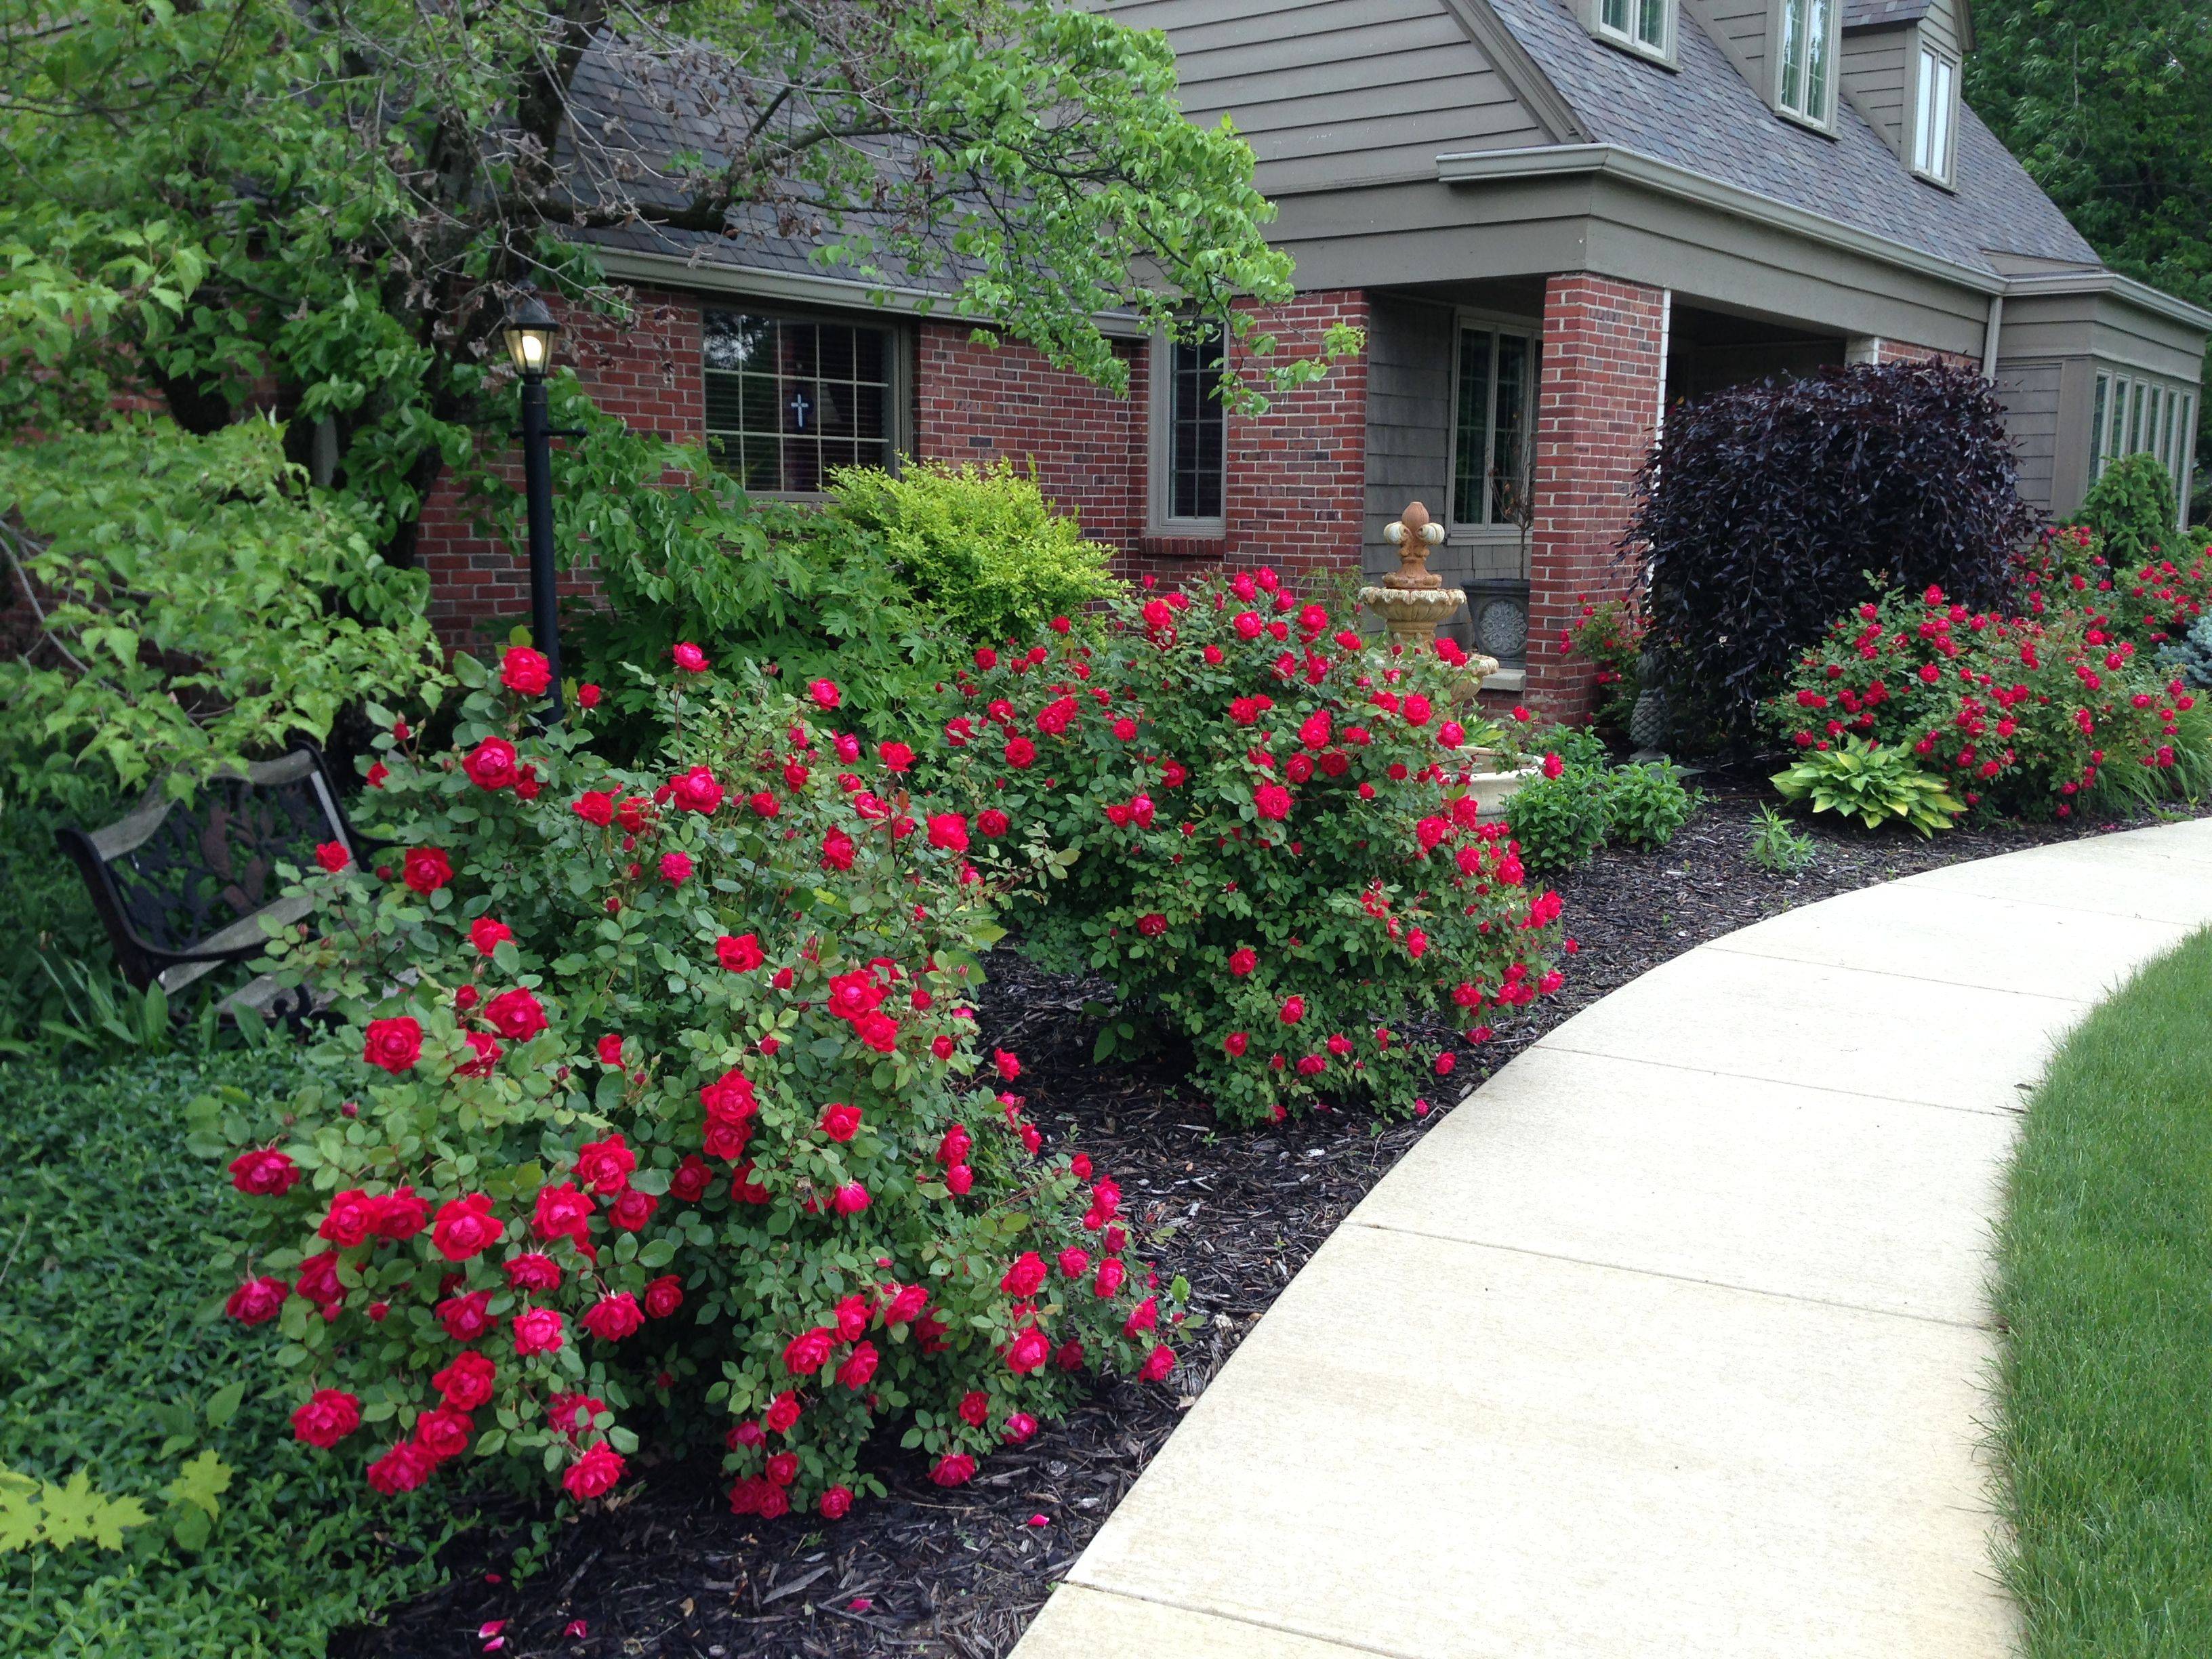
<point x="1259" y="828"/>
<point x="653" y="1106"/>
<point x="153" y="1499"/>
<point x="2106" y="1378"/>
<point x="1768" y="510"/>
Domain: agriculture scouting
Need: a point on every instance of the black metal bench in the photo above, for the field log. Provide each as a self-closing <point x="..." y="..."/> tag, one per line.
<point x="186" y="888"/>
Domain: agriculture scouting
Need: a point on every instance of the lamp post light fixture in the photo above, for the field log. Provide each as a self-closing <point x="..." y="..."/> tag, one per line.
<point x="528" y="332"/>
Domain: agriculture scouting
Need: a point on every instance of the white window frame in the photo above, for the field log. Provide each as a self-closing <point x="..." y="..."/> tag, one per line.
<point x="2136" y="415"/>
<point x="1793" y="100"/>
<point x="898" y="381"/>
<point x="1531" y="333"/>
<point x="1934" y="149"/>
<point x="1631" y="34"/>
<point x="1159" y="449"/>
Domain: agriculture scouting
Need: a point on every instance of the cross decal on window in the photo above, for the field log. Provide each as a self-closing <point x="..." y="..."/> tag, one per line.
<point x="801" y="406"/>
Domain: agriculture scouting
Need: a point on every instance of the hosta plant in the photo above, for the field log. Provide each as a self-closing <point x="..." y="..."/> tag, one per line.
<point x="655" y="1096"/>
<point x="1871" y="783"/>
<point x="1258" y="827"/>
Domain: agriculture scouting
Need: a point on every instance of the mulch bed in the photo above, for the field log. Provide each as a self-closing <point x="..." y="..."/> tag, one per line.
<point x="928" y="1571"/>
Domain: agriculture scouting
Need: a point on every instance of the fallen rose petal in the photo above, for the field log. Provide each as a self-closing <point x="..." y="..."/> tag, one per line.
<point x="576" y="1627"/>
<point x="859" y="1604"/>
<point x="1040" y="1520"/>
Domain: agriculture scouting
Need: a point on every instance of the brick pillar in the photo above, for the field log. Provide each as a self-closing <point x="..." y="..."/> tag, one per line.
<point x="1296" y="493"/>
<point x="1602" y="371"/>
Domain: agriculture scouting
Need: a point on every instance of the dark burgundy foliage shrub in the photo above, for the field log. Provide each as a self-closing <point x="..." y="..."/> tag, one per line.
<point x="1768" y="510"/>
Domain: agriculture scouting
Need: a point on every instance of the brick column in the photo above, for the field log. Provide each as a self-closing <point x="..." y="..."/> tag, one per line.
<point x="1599" y="405"/>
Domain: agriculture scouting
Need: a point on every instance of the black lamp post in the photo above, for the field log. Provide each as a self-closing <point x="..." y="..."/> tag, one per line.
<point x="529" y="332"/>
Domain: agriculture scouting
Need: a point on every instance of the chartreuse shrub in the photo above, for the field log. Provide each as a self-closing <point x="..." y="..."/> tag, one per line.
<point x="1874" y="784"/>
<point x="2012" y="714"/>
<point x="654" y="1093"/>
<point x="1770" y="509"/>
<point x="979" y="545"/>
<point x="2106" y="1376"/>
<point x="1258" y="829"/>
<point x="153" y="1499"/>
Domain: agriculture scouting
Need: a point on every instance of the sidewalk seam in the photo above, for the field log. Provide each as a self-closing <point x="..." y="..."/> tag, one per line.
<point x="1236" y="1619"/>
<point x="1550" y="1042"/>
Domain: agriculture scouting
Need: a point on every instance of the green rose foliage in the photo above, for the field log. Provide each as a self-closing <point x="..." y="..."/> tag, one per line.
<point x="659" y="1088"/>
<point x="1258" y="830"/>
<point x="2151" y="600"/>
<point x="2029" y="715"/>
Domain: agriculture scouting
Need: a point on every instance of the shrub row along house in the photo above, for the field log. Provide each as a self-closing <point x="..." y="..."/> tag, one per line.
<point x="1551" y="217"/>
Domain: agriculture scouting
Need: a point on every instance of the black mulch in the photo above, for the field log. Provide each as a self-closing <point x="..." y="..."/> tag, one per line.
<point x="927" y="1571"/>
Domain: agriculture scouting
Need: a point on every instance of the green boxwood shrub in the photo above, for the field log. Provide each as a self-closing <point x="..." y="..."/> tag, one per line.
<point x="121" y="1389"/>
<point x="653" y="1100"/>
<point x="2130" y="509"/>
<point x="1259" y="828"/>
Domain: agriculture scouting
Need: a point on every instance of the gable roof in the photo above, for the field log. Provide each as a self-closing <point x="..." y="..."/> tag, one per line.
<point x="1703" y="116"/>
<point x="1879" y="14"/>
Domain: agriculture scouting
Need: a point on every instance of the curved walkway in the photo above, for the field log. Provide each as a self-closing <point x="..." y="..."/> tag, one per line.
<point x="1671" y="1339"/>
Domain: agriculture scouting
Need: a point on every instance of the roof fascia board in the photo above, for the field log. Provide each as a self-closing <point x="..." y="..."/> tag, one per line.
<point x="1522" y="73"/>
<point x="1643" y="172"/>
<point x="2125" y="288"/>
<point x="809" y="288"/>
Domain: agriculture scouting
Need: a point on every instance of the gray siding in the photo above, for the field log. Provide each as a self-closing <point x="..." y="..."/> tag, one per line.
<point x="1336" y="92"/>
<point x="1875" y="77"/>
<point x="1940" y="24"/>
<point x="2030" y="392"/>
<point x="1739" y="27"/>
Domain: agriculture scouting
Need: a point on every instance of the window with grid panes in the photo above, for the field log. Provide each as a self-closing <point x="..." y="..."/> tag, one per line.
<point x="790" y="399"/>
<point x="1490" y="430"/>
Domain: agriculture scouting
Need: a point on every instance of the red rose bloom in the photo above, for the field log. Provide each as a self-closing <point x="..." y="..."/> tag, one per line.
<point x="492" y="765"/>
<point x="1271" y="801"/>
<point x="594" y="1475"/>
<point x="594" y="806"/>
<point x="443" y="1432"/>
<point x="675" y="868"/>
<point x="484" y="1052"/>
<point x="741" y="955"/>
<point x="825" y="693"/>
<point x="465" y="1317"/>
<point x="347" y="1222"/>
<point x="399" y="1215"/>
<point x="426" y="869"/>
<point x="329" y="1416"/>
<point x="1292" y="1010"/>
<point x="610" y="1047"/>
<point x="403" y="1469"/>
<point x="524" y="671"/>
<point x="841" y="1122"/>
<point x="604" y="1166"/>
<point x="467" y="1382"/>
<point x="663" y="1296"/>
<point x="486" y="934"/>
<point x="692" y="1178"/>
<point x="516" y="1015"/>
<point x="1242" y="962"/>
<point x="466" y="1227"/>
<point x="1029" y="1351"/>
<point x="837" y="1504"/>
<point x="533" y="1271"/>
<point x="1026" y="1276"/>
<point x="614" y="1317"/>
<point x="258" y="1301"/>
<point x="632" y="1211"/>
<point x="563" y="1211"/>
<point x="1020" y="753"/>
<point x="538" y="1330"/>
<point x="332" y="856"/>
<point x="859" y="1367"/>
<point x="587" y="695"/>
<point x="394" y="1044"/>
<point x="697" y="791"/>
<point x="265" y="1174"/>
<point x="1158" y="1363"/>
<point x="688" y="657"/>
<point x="809" y="1351"/>
<point x="954" y="1469"/>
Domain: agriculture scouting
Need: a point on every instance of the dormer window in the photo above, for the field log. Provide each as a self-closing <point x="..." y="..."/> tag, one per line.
<point x="1935" y="116"/>
<point x="1645" y="26"/>
<point x="1805" y="68"/>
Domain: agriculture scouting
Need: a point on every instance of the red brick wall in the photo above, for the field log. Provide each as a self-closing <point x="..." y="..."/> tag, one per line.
<point x="1903" y="351"/>
<point x="648" y="373"/>
<point x="1595" y="423"/>
<point x="978" y="402"/>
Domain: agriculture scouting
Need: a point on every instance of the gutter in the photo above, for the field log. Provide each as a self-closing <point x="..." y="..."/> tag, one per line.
<point x="2127" y="289"/>
<point x="701" y="275"/>
<point x="1642" y="171"/>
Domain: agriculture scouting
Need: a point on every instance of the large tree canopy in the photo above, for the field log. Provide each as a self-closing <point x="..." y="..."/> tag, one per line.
<point x="2104" y="101"/>
<point x="322" y="205"/>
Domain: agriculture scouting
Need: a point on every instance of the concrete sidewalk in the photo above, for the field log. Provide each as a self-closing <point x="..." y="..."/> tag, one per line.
<point x="1671" y="1339"/>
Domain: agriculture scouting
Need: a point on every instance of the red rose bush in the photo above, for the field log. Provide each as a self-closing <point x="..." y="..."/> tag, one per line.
<point x="2029" y="715"/>
<point x="659" y="1088"/>
<point x="1259" y="827"/>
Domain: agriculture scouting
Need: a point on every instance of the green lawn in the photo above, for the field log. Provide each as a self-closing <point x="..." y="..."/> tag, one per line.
<point x="117" y="1366"/>
<point x="2105" y="1298"/>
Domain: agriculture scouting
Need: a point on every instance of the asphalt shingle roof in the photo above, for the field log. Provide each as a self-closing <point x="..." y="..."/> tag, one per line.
<point x="1706" y="117"/>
